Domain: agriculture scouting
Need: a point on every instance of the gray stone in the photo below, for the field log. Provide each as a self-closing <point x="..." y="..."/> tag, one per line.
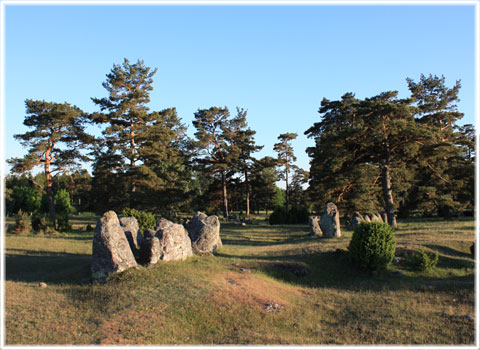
<point x="315" y="229"/>
<point x="330" y="221"/>
<point x="174" y="242"/>
<point x="150" y="251"/>
<point x="131" y="229"/>
<point x="356" y="219"/>
<point x="366" y="218"/>
<point x="376" y="218"/>
<point x="204" y="232"/>
<point x="383" y="215"/>
<point x="111" y="251"/>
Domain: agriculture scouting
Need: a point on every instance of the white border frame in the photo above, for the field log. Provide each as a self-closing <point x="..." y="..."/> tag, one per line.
<point x="3" y="4"/>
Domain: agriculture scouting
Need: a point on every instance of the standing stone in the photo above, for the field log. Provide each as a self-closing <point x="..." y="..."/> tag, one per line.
<point x="204" y="232"/>
<point x="174" y="242"/>
<point x="366" y="218"/>
<point x="356" y="219"/>
<point x="376" y="218"/>
<point x="131" y="229"/>
<point x="150" y="251"/>
<point x="111" y="251"/>
<point x="330" y="221"/>
<point x="383" y="215"/>
<point x="315" y="229"/>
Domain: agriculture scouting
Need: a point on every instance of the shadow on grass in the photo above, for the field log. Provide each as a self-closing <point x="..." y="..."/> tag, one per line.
<point x="34" y="266"/>
<point x="333" y="269"/>
<point x="448" y="251"/>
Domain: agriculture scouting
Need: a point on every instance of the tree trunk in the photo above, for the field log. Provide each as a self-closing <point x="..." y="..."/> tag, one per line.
<point x="225" y="199"/>
<point x="51" y="205"/>
<point x="388" y="196"/>
<point x="286" y="187"/>
<point x="132" y="166"/>
<point x="248" y="194"/>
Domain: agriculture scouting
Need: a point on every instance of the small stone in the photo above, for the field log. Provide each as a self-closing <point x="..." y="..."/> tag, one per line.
<point x="244" y="224"/>
<point x="396" y="260"/>
<point x="42" y="285"/>
<point x="272" y="306"/>
<point x="468" y="317"/>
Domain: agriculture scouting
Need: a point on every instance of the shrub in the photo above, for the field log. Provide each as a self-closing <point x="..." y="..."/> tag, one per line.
<point x="294" y="215"/>
<point x="63" y="208"/>
<point x="145" y="219"/>
<point x="23" y="222"/>
<point x="422" y="261"/>
<point x="42" y="223"/>
<point x="372" y="245"/>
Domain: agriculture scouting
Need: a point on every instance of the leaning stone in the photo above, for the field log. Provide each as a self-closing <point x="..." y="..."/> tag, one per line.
<point x="111" y="251"/>
<point x="175" y="245"/>
<point x="204" y="232"/>
<point x="315" y="229"/>
<point x="367" y="218"/>
<point x="131" y="229"/>
<point x="330" y="221"/>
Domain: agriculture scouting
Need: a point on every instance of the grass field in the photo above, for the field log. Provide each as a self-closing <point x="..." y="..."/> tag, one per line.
<point x="266" y="285"/>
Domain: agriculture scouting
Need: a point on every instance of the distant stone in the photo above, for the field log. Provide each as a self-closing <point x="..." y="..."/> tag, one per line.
<point x="111" y="251"/>
<point x="330" y="221"/>
<point x="383" y="215"/>
<point x="366" y="218"/>
<point x="244" y="224"/>
<point x="132" y="231"/>
<point x="356" y="219"/>
<point x="376" y="218"/>
<point x="204" y="232"/>
<point x="315" y="229"/>
<point x="42" y="285"/>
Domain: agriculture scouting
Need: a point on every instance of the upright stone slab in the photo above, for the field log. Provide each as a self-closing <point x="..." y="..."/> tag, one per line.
<point x="111" y="251"/>
<point x="174" y="242"/>
<point x="315" y="229"/>
<point x="366" y="218"/>
<point x="356" y="219"/>
<point x="384" y="216"/>
<point x="330" y="221"/>
<point x="204" y="232"/>
<point x="132" y="231"/>
<point x="150" y="251"/>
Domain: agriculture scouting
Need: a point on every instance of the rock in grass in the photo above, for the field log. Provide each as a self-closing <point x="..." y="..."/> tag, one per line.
<point x="42" y="285"/>
<point x="330" y="221"/>
<point x="315" y="229"/>
<point x="204" y="232"/>
<point x="169" y="243"/>
<point x="174" y="242"/>
<point x="132" y="231"/>
<point x="111" y="251"/>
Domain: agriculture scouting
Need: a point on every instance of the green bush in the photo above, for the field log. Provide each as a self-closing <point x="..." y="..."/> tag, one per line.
<point x="42" y="223"/>
<point x="145" y="219"/>
<point x="295" y="215"/>
<point x="372" y="245"/>
<point x="64" y="208"/>
<point x="422" y="261"/>
<point x="23" y="222"/>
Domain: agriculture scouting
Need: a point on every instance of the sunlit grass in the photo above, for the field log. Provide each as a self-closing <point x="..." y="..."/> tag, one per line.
<point x="224" y="299"/>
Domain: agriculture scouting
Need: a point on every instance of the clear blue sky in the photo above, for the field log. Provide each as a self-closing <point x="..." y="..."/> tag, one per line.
<point x="276" y="61"/>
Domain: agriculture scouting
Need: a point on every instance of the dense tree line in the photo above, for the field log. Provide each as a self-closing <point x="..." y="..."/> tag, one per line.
<point x="403" y="155"/>
<point x="143" y="159"/>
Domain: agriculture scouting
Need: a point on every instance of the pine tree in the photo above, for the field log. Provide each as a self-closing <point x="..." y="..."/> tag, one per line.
<point x="55" y="142"/>
<point x="217" y="139"/>
<point x="127" y="115"/>
<point x="285" y="158"/>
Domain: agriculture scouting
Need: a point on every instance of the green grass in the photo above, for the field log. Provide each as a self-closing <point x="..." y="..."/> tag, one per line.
<point x="224" y="299"/>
